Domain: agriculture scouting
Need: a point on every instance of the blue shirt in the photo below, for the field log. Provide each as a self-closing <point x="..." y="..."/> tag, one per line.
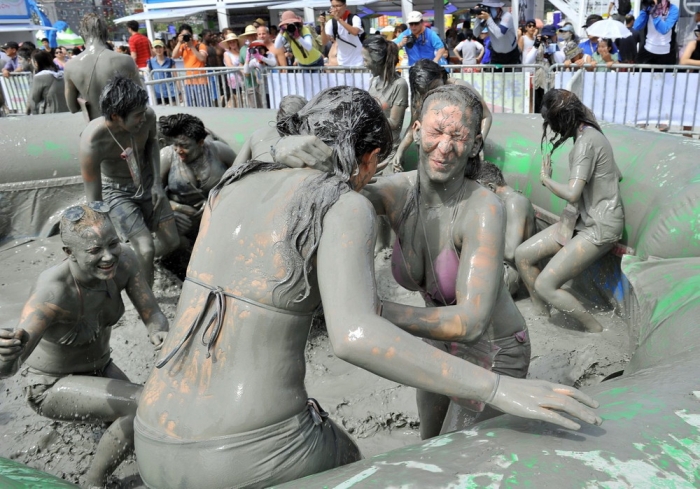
<point x="426" y="45"/>
<point x="486" y="59"/>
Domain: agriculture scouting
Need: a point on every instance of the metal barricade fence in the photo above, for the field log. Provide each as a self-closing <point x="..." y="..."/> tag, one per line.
<point x="666" y="97"/>
<point x="222" y="87"/>
<point x="16" y="92"/>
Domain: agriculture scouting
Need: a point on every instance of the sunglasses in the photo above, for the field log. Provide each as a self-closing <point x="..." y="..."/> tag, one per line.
<point x="414" y="23"/>
<point x="76" y="213"/>
<point x="531" y="25"/>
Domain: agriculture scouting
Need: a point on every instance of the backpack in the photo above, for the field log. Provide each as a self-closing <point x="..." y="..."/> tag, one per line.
<point x="349" y="21"/>
<point x="624" y="7"/>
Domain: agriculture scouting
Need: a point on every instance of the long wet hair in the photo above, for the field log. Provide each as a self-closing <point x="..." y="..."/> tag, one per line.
<point x="289" y="105"/>
<point x="387" y="54"/>
<point x="43" y="60"/>
<point x="563" y="113"/>
<point x="352" y="123"/>
<point x="172" y="126"/>
<point x="464" y="98"/>
<point x="420" y="78"/>
<point x="120" y="96"/>
<point x="93" y="28"/>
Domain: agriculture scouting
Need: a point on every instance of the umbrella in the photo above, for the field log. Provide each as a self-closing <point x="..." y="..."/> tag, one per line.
<point x="66" y="38"/>
<point x="608" y="29"/>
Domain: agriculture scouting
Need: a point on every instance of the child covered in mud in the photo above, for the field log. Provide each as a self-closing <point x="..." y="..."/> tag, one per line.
<point x="520" y="219"/>
<point x="229" y="388"/>
<point x="592" y="222"/>
<point x="120" y="165"/>
<point x="63" y="335"/>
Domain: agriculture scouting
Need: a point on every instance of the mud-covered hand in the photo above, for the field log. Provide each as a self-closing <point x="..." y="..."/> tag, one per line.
<point x="539" y="399"/>
<point x="158" y="196"/>
<point x="303" y="152"/>
<point x="546" y="170"/>
<point x="157" y="338"/>
<point x="396" y="164"/>
<point x="12" y="344"/>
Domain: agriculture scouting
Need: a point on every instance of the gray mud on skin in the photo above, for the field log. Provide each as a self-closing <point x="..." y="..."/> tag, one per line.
<point x="381" y="415"/>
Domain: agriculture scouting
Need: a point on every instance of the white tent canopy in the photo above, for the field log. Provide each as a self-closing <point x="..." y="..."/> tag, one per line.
<point x="300" y="4"/>
<point x="23" y="27"/>
<point x="164" y="14"/>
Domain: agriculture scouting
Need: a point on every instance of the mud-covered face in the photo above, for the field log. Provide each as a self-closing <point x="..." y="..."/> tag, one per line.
<point x="96" y="250"/>
<point x="447" y="138"/>
<point x="133" y="122"/>
<point x="366" y="170"/>
<point x="369" y="63"/>
<point x="187" y="148"/>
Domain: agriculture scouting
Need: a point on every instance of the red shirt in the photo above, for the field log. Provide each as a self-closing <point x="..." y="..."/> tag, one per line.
<point x="139" y="44"/>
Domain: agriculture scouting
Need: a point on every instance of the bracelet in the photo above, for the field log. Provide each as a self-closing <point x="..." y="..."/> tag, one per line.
<point x="495" y="389"/>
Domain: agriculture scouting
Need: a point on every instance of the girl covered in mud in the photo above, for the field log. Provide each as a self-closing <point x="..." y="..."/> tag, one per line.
<point x="229" y="388"/>
<point x="64" y="332"/>
<point x="449" y="246"/>
<point x="592" y="222"/>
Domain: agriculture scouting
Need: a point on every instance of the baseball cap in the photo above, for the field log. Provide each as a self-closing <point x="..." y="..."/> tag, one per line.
<point x="158" y="43"/>
<point x="592" y="19"/>
<point x="414" y="16"/>
<point x="10" y="45"/>
<point x="568" y="28"/>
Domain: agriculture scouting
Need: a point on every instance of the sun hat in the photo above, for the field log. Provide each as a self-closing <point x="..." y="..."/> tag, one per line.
<point x="492" y="3"/>
<point x="414" y="16"/>
<point x="250" y="30"/>
<point x="257" y="44"/>
<point x="158" y="43"/>
<point x="229" y="37"/>
<point x="289" y="17"/>
<point x="571" y="50"/>
<point x="260" y="21"/>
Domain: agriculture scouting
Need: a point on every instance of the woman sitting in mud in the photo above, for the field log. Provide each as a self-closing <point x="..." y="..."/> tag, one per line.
<point x="229" y="389"/>
<point x="424" y="76"/>
<point x="450" y="246"/>
<point x="64" y="331"/>
<point x="593" y="222"/>
<point x="190" y="167"/>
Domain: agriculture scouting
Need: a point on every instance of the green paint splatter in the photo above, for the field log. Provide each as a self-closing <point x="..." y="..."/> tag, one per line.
<point x="616" y="411"/>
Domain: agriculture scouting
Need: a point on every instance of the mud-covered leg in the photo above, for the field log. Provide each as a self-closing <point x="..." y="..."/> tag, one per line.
<point x="115" y="445"/>
<point x="569" y="262"/>
<point x="142" y="243"/>
<point x="432" y="409"/>
<point x="527" y="255"/>
<point x="167" y="238"/>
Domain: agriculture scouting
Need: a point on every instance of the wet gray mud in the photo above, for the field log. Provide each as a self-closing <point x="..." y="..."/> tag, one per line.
<point x="381" y="415"/>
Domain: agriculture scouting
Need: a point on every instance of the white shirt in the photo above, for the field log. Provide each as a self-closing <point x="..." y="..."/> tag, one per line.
<point x="470" y="51"/>
<point x="347" y="55"/>
<point x="657" y="43"/>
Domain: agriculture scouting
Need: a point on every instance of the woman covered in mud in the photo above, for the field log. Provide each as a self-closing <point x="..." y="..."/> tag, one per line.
<point x="64" y="331"/>
<point x="190" y="167"/>
<point x="386" y="86"/>
<point x="424" y="76"/>
<point x="590" y="225"/>
<point x="229" y="388"/>
<point x="449" y="246"/>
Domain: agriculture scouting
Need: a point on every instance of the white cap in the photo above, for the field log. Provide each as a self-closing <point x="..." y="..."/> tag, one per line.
<point x="414" y="16"/>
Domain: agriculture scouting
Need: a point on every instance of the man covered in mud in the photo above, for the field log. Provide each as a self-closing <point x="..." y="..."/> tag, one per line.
<point x="189" y="169"/>
<point x="259" y="145"/>
<point x="64" y="332"/>
<point x="520" y="219"/>
<point x="120" y="164"/>
<point x="88" y="73"/>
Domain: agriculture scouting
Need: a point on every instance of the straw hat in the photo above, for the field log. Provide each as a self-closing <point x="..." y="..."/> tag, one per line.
<point x="289" y="17"/>
<point x="229" y="37"/>
<point x="250" y="30"/>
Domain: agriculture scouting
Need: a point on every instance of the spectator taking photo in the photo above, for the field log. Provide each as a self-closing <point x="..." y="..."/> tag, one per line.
<point x="346" y="29"/>
<point x="504" y="44"/>
<point x="657" y="18"/>
<point x="419" y="42"/>
<point x="299" y="38"/>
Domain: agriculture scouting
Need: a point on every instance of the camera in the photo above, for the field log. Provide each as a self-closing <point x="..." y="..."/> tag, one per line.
<point x="410" y="41"/>
<point x="253" y="51"/>
<point x="292" y="29"/>
<point x="646" y="4"/>
<point x="477" y="11"/>
<point x="186" y="37"/>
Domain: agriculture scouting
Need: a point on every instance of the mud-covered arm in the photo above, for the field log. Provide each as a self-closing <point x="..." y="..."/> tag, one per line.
<point x="90" y="159"/>
<point x="361" y="337"/>
<point x="71" y="92"/>
<point x="152" y="152"/>
<point x="143" y="299"/>
<point x="226" y="155"/>
<point x="244" y="154"/>
<point x="516" y="219"/>
<point x="478" y="284"/>
<point x="165" y="157"/>
<point x="38" y="314"/>
<point x="581" y="171"/>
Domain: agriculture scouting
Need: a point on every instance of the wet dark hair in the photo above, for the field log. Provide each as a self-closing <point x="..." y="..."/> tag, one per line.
<point x="386" y="53"/>
<point x="420" y="77"/>
<point x="175" y="125"/>
<point x="121" y="96"/>
<point x="352" y="123"/>
<point x="490" y="173"/>
<point x="43" y="61"/>
<point x="457" y="96"/>
<point x="563" y="112"/>
<point x="290" y="105"/>
<point x="133" y="25"/>
<point x="92" y="28"/>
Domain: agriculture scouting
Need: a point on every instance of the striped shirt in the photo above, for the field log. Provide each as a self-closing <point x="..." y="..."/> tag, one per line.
<point x="139" y="44"/>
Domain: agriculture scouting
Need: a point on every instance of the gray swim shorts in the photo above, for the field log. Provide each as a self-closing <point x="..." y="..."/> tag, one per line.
<point x="131" y="215"/>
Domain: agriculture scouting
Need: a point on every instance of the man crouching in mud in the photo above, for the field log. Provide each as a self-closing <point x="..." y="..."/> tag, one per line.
<point x="120" y="164"/>
<point x="64" y="331"/>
